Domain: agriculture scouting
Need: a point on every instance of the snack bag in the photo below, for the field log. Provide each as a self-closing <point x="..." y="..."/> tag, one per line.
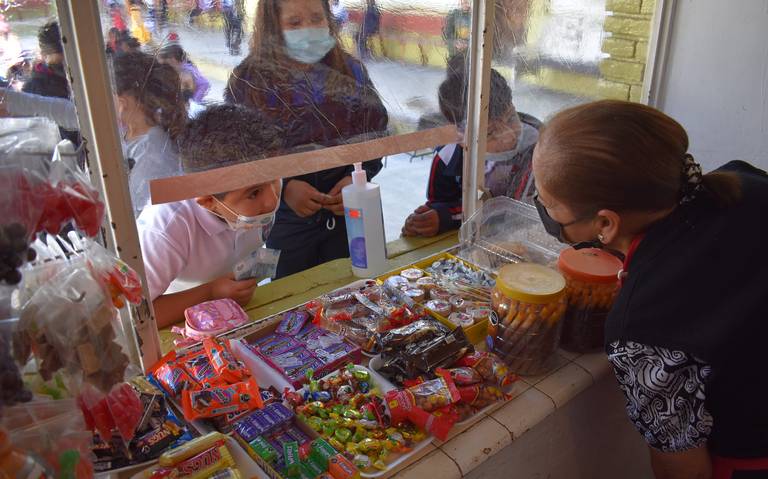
<point x="172" y="376"/>
<point x="480" y="396"/>
<point x="118" y="279"/>
<point x="489" y="366"/>
<point x="200" y="368"/>
<point x="220" y="400"/>
<point x="427" y="396"/>
<point x="226" y="365"/>
<point x="70" y="325"/>
<point x="78" y="200"/>
<point x="465" y="376"/>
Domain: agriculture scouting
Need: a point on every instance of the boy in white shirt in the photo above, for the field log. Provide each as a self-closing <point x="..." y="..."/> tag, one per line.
<point x="191" y="247"/>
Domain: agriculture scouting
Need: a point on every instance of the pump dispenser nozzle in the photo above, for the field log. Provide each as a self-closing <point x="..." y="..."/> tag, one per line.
<point x="359" y="177"/>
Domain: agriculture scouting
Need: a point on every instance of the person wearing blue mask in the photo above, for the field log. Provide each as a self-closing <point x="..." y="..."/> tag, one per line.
<point x="191" y="248"/>
<point x="298" y="76"/>
<point x="509" y="149"/>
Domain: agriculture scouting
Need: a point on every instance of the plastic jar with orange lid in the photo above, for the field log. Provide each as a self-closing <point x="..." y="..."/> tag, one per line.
<point x="528" y="305"/>
<point x="592" y="278"/>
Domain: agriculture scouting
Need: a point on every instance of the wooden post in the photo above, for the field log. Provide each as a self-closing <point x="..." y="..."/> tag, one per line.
<point x="480" y="53"/>
<point x="86" y="59"/>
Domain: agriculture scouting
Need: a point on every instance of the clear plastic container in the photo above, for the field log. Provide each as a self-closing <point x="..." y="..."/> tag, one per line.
<point x="528" y="306"/>
<point x="506" y="231"/>
<point x="592" y="284"/>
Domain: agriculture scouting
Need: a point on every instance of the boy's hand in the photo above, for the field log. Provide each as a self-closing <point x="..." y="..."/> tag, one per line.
<point x="303" y="198"/>
<point x="228" y="287"/>
<point x="422" y="222"/>
<point x="335" y="204"/>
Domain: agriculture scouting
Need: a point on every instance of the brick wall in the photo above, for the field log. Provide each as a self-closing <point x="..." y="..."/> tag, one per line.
<point x="627" y="45"/>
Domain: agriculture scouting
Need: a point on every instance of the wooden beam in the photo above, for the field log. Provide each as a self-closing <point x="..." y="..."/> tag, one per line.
<point x="229" y="178"/>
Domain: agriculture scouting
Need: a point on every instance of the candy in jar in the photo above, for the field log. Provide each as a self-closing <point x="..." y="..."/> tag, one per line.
<point x="529" y="304"/>
<point x="591" y="275"/>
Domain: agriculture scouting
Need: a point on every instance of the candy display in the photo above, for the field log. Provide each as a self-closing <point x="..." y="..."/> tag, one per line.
<point x="592" y="284"/>
<point x="420" y="348"/>
<point x="370" y="310"/>
<point x="529" y="303"/>
<point x="352" y="420"/>
<point x="311" y="348"/>
<point x="453" y="269"/>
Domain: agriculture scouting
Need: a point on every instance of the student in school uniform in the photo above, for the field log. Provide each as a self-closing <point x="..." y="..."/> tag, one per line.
<point x="191" y="247"/>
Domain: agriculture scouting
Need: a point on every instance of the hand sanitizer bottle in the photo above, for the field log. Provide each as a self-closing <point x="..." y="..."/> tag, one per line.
<point x="365" y="225"/>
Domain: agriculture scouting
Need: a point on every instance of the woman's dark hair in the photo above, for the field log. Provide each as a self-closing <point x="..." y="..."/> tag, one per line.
<point x="49" y="38"/>
<point x="452" y="93"/>
<point x="224" y="135"/>
<point x="173" y="51"/>
<point x="621" y="156"/>
<point x="267" y="43"/>
<point x="155" y="86"/>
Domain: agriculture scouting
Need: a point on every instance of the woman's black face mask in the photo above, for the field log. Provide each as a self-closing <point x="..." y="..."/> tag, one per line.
<point x="556" y="229"/>
<point x="550" y="225"/>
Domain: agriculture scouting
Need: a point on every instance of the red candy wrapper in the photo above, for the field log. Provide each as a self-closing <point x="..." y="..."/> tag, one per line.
<point x="220" y="400"/>
<point x="489" y="366"/>
<point x="172" y="376"/>
<point x="427" y="396"/>
<point x="224" y="363"/>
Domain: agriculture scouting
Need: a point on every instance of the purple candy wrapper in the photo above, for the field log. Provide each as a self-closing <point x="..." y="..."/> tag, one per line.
<point x="297" y="435"/>
<point x="332" y="353"/>
<point x="300" y="371"/>
<point x="292" y="359"/>
<point x="281" y="411"/>
<point x="292" y="323"/>
<point x="272" y="345"/>
<point x="247" y="429"/>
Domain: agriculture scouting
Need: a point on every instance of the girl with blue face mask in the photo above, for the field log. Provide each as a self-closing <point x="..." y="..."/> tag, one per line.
<point x="300" y="78"/>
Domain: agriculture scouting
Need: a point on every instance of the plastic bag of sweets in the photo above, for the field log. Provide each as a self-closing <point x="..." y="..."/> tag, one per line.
<point x="489" y="366"/>
<point x="70" y="325"/>
<point x="427" y="396"/>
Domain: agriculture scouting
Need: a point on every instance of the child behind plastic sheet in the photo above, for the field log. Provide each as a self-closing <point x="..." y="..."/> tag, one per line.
<point x="300" y="77"/>
<point x="509" y="145"/>
<point x="191" y="248"/>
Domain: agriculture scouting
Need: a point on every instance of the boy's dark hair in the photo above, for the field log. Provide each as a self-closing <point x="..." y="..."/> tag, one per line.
<point x="49" y="38"/>
<point x="225" y="135"/>
<point x="452" y="94"/>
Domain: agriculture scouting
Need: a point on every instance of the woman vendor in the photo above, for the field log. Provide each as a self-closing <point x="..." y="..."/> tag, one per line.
<point x="686" y="333"/>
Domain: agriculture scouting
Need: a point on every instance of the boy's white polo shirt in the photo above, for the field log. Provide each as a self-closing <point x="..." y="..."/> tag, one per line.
<point x="185" y="245"/>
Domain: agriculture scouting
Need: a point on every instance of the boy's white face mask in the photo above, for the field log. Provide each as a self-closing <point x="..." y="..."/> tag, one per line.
<point x="246" y="223"/>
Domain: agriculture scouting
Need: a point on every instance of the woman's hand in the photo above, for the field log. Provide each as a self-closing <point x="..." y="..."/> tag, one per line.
<point x="335" y="203"/>
<point x="422" y="222"/>
<point x="303" y="198"/>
